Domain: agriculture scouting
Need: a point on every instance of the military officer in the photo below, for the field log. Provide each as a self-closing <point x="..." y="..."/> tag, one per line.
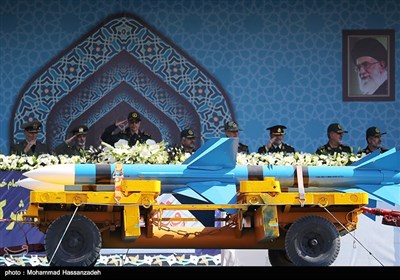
<point x="186" y="145"/>
<point x="276" y="144"/>
<point x="373" y="136"/>
<point x="187" y="141"/>
<point x="129" y="130"/>
<point x="76" y="144"/>
<point x="31" y="145"/>
<point x="232" y="131"/>
<point x="335" y="135"/>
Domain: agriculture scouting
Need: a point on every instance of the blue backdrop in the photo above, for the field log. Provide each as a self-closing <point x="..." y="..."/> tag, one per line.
<point x="278" y="61"/>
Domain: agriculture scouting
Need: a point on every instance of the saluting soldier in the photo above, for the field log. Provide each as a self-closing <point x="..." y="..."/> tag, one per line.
<point x="276" y="144"/>
<point x="76" y="144"/>
<point x="374" y="140"/>
<point x="232" y="131"/>
<point x="128" y="129"/>
<point x="335" y="136"/>
<point x="31" y="145"/>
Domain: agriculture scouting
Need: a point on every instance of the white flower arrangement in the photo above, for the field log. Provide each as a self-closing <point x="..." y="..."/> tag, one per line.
<point x="158" y="153"/>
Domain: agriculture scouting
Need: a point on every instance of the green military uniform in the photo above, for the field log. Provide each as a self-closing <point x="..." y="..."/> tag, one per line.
<point x="372" y="132"/>
<point x="327" y="149"/>
<point x="233" y="127"/>
<point x="37" y="149"/>
<point x="368" y="151"/>
<point x="276" y="130"/>
<point x="74" y="149"/>
<point x="132" y="138"/>
<point x="173" y="151"/>
<point x="286" y="148"/>
<point x="242" y="148"/>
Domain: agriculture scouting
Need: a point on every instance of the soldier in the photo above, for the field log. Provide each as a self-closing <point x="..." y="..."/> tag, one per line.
<point x="76" y="144"/>
<point x="232" y="131"/>
<point x="334" y="145"/>
<point x="187" y="141"/>
<point x="276" y="144"/>
<point x="186" y="145"/>
<point x="129" y="130"/>
<point x="374" y="141"/>
<point x="30" y="146"/>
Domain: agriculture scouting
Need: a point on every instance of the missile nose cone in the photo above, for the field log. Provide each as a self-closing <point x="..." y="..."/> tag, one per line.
<point x="35" y="185"/>
<point x="63" y="174"/>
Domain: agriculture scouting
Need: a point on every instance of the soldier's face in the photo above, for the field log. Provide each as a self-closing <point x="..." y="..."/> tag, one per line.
<point x="188" y="143"/>
<point x="232" y="134"/>
<point x="134" y="125"/>
<point x="81" y="139"/>
<point x="30" y="135"/>
<point x="375" y="141"/>
<point x="277" y="139"/>
<point x="336" y="137"/>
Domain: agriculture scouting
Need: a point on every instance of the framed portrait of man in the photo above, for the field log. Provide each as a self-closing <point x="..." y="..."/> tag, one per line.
<point x="368" y="65"/>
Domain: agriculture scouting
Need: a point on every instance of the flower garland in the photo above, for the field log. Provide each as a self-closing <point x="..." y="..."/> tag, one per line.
<point x="159" y="153"/>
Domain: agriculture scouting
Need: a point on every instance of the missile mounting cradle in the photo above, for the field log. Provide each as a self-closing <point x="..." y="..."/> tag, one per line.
<point x="297" y="227"/>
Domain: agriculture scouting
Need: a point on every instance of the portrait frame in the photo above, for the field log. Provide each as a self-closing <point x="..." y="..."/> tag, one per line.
<point x="351" y="89"/>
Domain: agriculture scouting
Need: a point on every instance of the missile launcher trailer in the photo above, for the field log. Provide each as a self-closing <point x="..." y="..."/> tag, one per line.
<point x="298" y="228"/>
<point x="298" y="213"/>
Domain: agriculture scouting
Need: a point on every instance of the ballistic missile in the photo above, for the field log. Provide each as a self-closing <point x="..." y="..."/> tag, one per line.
<point x="211" y="174"/>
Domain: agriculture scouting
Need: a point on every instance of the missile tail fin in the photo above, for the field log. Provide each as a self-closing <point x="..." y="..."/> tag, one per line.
<point x="386" y="193"/>
<point x="188" y="196"/>
<point x="389" y="160"/>
<point x="215" y="154"/>
<point x="204" y="193"/>
<point x="366" y="158"/>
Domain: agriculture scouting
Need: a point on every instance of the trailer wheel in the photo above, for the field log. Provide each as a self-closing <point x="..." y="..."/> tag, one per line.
<point x="279" y="258"/>
<point x="312" y="241"/>
<point x="80" y="245"/>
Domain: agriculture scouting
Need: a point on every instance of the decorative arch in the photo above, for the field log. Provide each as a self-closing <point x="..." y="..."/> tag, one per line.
<point x="121" y="66"/>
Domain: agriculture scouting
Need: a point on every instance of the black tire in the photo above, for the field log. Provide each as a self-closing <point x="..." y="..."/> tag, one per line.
<point x="279" y="258"/>
<point x="312" y="241"/>
<point x="80" y="245"/>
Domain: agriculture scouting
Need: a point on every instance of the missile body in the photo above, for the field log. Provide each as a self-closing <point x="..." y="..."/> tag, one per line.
<point x="314" y="176"/>
<point x="213" y="167"/>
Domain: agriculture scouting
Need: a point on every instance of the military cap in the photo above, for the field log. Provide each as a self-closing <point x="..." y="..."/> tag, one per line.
<point x="277" y="129"/>
<point x="335" y="127"/>
<point x="80" y="130"/>
<point x="373" y="131"/>
<point x="134" y="116"/>
<point x="231" y="126"/>
<point x="187" y="133"/>
<point x="369" y="47"/>
<point x="32" y="126"/>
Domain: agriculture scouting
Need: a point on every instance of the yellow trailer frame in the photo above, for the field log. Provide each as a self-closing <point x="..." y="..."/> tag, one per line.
<point x="130" y="217"/>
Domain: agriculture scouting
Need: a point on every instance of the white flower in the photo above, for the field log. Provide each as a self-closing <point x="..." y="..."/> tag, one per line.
<point x="156" y="153"/>
<point x="121" y="143"/>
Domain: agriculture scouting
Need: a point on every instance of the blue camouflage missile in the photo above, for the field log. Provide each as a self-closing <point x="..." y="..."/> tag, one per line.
<point x="211" y="175"/>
